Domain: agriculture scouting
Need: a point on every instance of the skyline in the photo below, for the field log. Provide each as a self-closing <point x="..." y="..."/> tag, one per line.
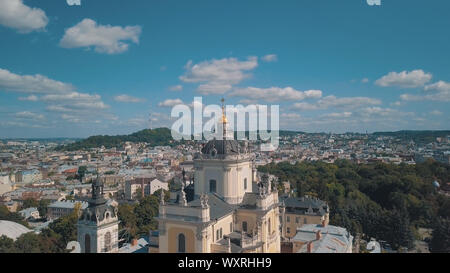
<point x="339" y="66"/>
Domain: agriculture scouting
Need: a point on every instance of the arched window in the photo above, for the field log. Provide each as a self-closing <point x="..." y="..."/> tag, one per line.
<point x="269" y="226"/>
<point x="87" y="243"/>
<point x="107" y="241"/>
<point x="245" y="183"/>
<point x="212" y="186"/>
<point x="181" y="243"/>
<point x="244" y="226"/>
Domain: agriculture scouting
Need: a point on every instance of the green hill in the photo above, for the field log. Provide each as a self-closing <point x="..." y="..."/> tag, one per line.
<point x="155" y="137"/>
<point x="422" y="137"/>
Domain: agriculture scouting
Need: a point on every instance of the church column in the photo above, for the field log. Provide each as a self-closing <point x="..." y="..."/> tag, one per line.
<point x="238" y="185"/>
<point x="199" y="184"/>
<point x="226" y="185"/>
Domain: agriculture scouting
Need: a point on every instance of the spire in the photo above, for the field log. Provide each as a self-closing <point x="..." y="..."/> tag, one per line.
<point x="97" y="190"/>
<point x="224" y="120"/>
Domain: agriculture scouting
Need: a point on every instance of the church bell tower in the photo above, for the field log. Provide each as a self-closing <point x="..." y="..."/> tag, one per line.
<point x="98" y="226"/>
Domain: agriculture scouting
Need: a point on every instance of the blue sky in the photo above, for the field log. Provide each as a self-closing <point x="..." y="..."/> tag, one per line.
<point x="103" y="67"/>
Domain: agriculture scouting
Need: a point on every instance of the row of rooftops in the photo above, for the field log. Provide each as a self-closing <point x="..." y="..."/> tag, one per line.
<point x="304" y="205"/>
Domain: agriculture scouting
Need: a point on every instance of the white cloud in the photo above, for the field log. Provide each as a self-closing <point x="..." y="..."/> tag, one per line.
<point x="436" y="113"/>
<point x="270" y="58"/>
<point x="15" y="14"/>
<point x="71" y="118"/>
<point x="72" y="96"/>
<point x="29" y="115"/>
<point x="29" y="98"/>
<point x="170" y="103"/>
<point x="439" y="86"/>
<point x="60" y="97"/>
<point x="58" y="108"/>
<point x="74" y="101"/>
<point x="290" y="116"/>
<point x="104" y="38"/>
<point x="274" y="94"/>
<point x="334" y="102"/>
<point x="382" y="112"/>
<point x="397" y="103"/>
<point x="127" y="98"/>
<point x="405" y="79"/>
<point x="218" y="76"/>
<point x="339" y="115"/>
<point x="31" y="83"/>
<point x="214" y="88"/>
<point x="439" y="91"/>
<point x="176" y="88"/>
<point x="365" y="80"/>
<point x="15" y="124"/>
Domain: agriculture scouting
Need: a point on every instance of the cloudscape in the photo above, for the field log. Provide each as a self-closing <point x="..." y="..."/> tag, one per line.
<point x="345" y="66"/>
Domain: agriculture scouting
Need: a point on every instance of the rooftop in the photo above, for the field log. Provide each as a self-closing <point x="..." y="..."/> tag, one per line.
<point x="68" y="204"/>
<point x="12" y="230"/>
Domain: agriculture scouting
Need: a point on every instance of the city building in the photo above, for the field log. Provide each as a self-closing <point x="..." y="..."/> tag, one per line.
<point x="28" y="176"/>
<point x="143" y="186"/>
<point x="299" y="211"/>
<point x="30" y="213"/>
<point x="98" y="226"/>
<point x="313" y="238"/>
<point x="62" y="208"/>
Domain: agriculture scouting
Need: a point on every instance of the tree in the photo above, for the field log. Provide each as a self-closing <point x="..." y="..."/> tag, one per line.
<point x="384" y="201"/>
<point x="28" y="243"/>
<point x="42" y="207"/>
<point x="82" y="172"/>
<point x="145" y="212"/>
<point x="6" y="245"/>
<point x="30" y="203"/>
<point x="440" y="241"/>
<point x="6" y="215"/>
<point x="66" y="227"/>
<point x="128" y="220"/>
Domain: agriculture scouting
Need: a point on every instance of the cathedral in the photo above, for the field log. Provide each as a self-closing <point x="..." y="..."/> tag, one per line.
<point x="232" y="211"/>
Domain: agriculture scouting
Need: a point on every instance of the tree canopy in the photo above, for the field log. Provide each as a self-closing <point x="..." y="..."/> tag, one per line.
<point x="384" y="201"/>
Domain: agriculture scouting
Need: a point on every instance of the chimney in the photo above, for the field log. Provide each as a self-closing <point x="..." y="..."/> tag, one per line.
<point x="310" y="247"/>
<point x="134" y="242"/>
<point x="318" y="235"/>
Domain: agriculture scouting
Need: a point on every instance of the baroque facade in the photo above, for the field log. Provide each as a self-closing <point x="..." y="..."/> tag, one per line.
<point x="232" y="211"/>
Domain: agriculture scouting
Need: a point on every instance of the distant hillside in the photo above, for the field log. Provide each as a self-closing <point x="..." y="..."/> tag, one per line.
<point x="163" y="137"/>
<point x="416" y="136"/>
<point x="155" y="137"/>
